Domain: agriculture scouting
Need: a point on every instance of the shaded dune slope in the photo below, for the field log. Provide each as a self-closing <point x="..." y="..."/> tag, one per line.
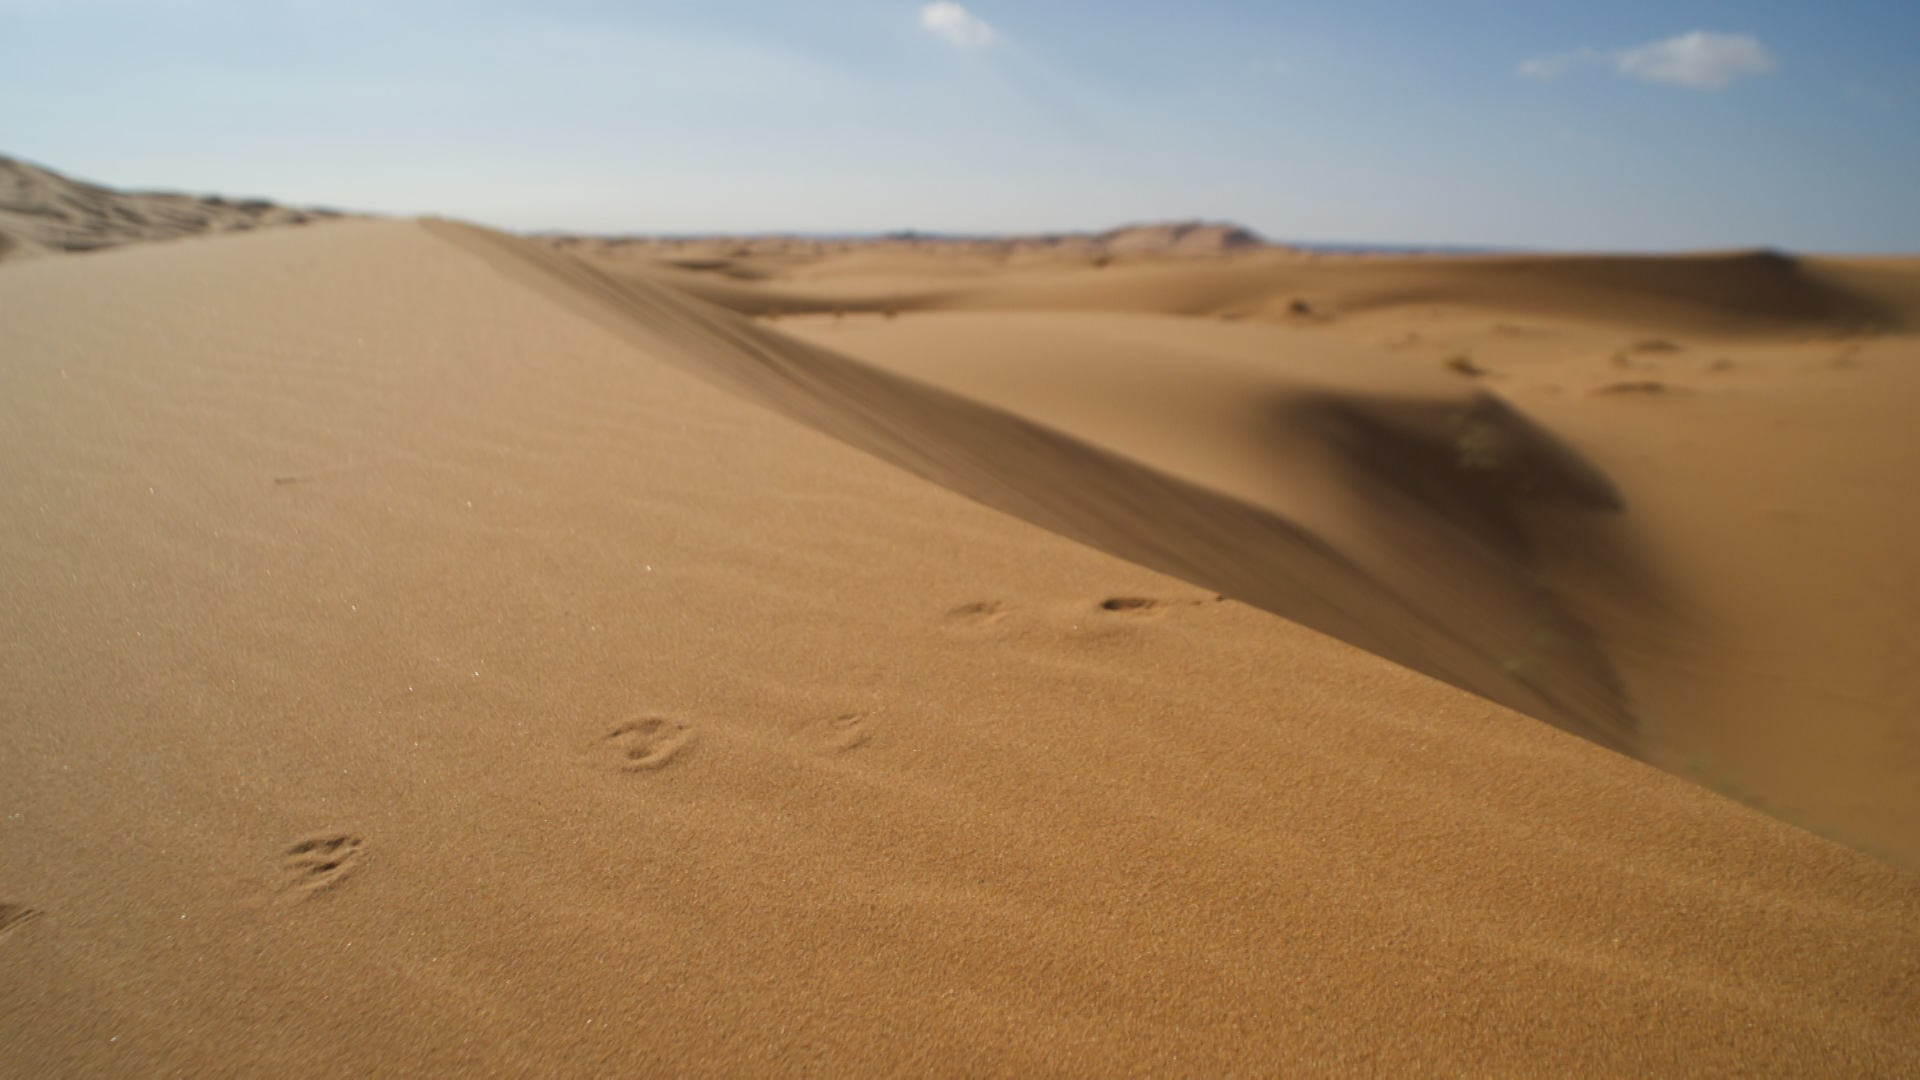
<point x="1444" y="483"/>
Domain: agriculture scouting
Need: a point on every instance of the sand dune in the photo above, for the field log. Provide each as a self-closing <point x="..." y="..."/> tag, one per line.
<point x="1735" y="294"/>
<point x="1457" y="614"/>
<point x="427" y="653"/>
<point x="1528" y="476"/>
<point x="43" y="212"/>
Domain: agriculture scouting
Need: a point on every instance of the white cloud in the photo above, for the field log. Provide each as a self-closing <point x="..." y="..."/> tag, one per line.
<point x="1699" y="59"/>
<point x="957" y="24"/>
<point x="1552" y="67"/>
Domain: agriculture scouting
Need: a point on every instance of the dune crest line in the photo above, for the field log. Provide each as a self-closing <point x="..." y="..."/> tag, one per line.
<point x="1452" y="601"/>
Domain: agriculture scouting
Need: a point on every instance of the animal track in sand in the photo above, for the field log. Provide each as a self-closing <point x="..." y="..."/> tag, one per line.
<point x="1150" y="607"/>
<point x="979" y="612"/>
<point x="1654" y="345"/>
<point x="14" y="915"/>
<point x="318" y="863"/>
<point x="848" y="731"/>
<point x="648" y="743"/>
<point x="1642" y="386"/>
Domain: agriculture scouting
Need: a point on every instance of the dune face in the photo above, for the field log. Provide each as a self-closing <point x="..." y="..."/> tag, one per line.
<point x="427" y="653"/>
<point x="1402" y="585"/>
<point x="1556" y="481"/>
<point x="43" y="212"/>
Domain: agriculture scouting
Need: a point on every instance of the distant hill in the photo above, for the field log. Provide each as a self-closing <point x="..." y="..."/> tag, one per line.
<point x="1180" y="238"/>
<point x="43" y="212"/>
<point x="1175" y="238"/>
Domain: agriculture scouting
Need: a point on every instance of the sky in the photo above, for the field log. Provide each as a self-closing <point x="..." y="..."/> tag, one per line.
<point x="1615" y="125"/>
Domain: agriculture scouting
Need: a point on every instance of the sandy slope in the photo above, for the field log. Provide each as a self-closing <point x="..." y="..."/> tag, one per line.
<point x="43" y="213"/>
<point x="406" y="673"/>
<point x="1660" y="502"/>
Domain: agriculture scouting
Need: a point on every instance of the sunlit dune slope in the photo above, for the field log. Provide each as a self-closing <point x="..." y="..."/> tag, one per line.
<point x="1392" y="518"/>
<point x="1661" y="501"/>
<point x="408" y="676"/>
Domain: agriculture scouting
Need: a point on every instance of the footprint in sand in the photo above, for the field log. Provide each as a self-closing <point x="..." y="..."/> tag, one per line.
<point x="978" y="613"/>
<point x="1641" y="386"/>
<point x="847" y="731"/>
<point x="647" y="743"/>
<point x="13" y="916"/>
<point x="1150" y="607"/>
<point x="318" y="863"/>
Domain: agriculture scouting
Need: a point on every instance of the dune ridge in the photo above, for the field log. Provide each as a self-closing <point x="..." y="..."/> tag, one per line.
<point x="1759" y="377"/>
<point x="1469" y="614"/>
<point x="749" y="256"/>
<point x="43" y="212"/>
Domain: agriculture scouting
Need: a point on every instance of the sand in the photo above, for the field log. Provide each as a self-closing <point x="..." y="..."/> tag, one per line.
<point x="1666" y="501"/>
<point x="45" y="213"/>
<point x="427" y="653"/>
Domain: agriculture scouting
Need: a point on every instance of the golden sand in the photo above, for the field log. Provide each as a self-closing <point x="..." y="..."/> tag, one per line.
<point x="429" y="653"/>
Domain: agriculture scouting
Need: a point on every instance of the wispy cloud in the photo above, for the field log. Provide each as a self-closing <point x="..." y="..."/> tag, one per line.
<point x="1701" y="59"/>
<point x="1698" y="60"/>
<point x="1552" y="67"/>
<point x="957" y="24"/>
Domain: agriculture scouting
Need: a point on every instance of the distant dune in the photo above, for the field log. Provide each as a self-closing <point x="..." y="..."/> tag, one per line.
<point x="42" y="211"/>
<point x="1740" y="293"/>
<point x="434" y="651"/>
<point x="1178" y="238"/>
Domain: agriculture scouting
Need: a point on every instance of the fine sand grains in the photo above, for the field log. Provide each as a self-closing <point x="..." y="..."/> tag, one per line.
<point x="347" y="576"/>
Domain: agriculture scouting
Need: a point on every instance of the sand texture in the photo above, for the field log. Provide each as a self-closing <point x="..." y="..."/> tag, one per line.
<point x="428" y="652"/>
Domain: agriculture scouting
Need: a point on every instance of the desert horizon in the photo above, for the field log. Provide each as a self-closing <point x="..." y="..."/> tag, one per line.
<point x="437" y="649"/>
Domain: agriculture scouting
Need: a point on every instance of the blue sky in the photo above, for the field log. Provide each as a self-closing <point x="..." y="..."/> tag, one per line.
<point x="1598" y="125"/>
